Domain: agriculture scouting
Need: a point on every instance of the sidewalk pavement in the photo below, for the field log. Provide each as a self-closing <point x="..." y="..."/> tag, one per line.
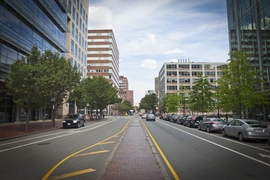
<point x="134" y="159"/>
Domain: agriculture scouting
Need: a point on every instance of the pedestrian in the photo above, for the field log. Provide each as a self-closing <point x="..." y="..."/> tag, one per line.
<point x="98" y="115"/>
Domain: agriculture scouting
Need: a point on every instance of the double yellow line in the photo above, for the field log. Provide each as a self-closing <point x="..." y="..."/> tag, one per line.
<point x="161" y="153"/>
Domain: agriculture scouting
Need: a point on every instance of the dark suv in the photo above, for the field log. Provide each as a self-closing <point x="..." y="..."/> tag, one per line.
<point x="193" y="121"/>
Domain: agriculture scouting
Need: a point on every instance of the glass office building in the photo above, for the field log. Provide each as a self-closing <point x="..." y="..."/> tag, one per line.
<point x="249" y="29"/>
<point x="45" y="24"/>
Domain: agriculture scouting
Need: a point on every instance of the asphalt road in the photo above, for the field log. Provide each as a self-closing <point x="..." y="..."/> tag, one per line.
<point x="194" y="154"/>
<point x="186" y="153"/>
<point x="58" y="153"/>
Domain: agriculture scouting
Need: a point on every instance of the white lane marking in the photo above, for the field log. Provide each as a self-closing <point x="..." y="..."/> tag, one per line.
<point x="236" y="152"/>
<point x="263" y="155"/>
<point x="64" y="135"/>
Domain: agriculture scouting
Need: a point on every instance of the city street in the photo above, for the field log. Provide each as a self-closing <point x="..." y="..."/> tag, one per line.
<point x="84" y="153"/>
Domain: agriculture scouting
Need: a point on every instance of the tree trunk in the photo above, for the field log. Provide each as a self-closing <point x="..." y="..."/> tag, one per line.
<point x="27" y="119"/>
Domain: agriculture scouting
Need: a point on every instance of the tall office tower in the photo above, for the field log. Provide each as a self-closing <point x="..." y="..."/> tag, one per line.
<point x="45" y="24"/>
<point x="124" y="91"/>
<point x="249" y="29"/>
<point x="103" y="55"/>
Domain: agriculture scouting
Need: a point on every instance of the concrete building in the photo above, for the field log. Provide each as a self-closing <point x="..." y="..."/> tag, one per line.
<point x="59" y="26"/>
<point x="103" y="55"/>
<point x="249" y="29"/>
<point x="172" y="75"/>
<point x="124" y="91"/>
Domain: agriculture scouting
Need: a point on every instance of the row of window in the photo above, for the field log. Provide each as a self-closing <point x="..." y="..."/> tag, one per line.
<point x="194" y="66"/>
<point x="194" y="73"/>
<point x="77" y="52"/>
<point x="210" y="80"/>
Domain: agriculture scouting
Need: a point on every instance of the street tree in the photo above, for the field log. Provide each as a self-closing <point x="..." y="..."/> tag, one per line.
<point x="124" y="107"/>
<point x="201" y="96"/>
<point x="173" y="102"/>
<point x="97" y="93"/>
<point x="149" y="102"/>
<point x="239" y="87"/>
<point x="38" y="78"/>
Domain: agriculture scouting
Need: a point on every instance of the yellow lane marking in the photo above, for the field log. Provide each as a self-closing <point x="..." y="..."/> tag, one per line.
<point x="161" y="153"/>
<point x="78" y="152"/>
<point x="76" y="173"/>
<point x="91" y="153"/>
<point x="109" y="142"/>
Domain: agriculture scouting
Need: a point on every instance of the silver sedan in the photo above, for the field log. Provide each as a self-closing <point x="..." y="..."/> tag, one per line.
<point x="211" y="124"/>
<point x="246" y="129"/>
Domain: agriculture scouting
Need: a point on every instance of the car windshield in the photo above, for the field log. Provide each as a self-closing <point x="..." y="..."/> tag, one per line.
<point x="150" y="115"/>
<point x="73" y="116"/>
<point x="218" y="120"/>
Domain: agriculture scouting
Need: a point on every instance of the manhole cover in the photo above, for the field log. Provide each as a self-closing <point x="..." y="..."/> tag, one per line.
<point x="44" y="143"/>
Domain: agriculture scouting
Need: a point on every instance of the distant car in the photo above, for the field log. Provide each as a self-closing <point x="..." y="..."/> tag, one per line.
<point x="210" y="124"/>
<point x="143" y="116"/>
<point x="192" y="121"/>
<point x="174" y="118"/>
<point x="74" y="120"/>
<point x="150" y="117"/>
<point x="246" y="129"/>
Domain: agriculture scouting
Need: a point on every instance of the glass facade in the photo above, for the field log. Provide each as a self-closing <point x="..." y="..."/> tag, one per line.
<point x="249" y="29"/>
<point x="56" y="25"/>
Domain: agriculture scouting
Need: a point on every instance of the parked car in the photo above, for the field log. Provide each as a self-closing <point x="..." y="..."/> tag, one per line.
<point x="150" y="117"/>
<point x="246" y="129"/>
<point x="268" y="127"/>
<point x="167" y="117"/>
<point x="192" y="121"/>
<point x="210" y="124"/>
<point x="174" y="118"/>
<point x="181" y="120"/>
<point x="74" y="120"/>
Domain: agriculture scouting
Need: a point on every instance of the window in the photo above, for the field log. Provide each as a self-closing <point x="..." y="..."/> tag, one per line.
<point x="72" y="47"/>
<point x="196" y="66"/>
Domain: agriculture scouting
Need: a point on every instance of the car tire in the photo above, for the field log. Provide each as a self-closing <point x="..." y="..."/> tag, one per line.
<point x="199" y="127"/>
<point x="264" y="140"/>
<point x="224" y="133"/>
<point x="208" y="129"/>
<point x="240" y="137"/>
<point x="83" y="124"/>
<point x="78" y="125"/>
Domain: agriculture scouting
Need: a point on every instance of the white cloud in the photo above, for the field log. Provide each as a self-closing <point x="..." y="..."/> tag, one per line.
<point x="149" y="64"/>
<point x="161" y="31"/>
<point x="175" y="51"/>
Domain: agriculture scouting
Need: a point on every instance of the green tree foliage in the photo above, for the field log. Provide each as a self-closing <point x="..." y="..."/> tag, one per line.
<point x="95" y="92"/>
<point x="173" y="102"/>
<point x="239" y="86"/>
<point x="201" y="96"/>
<point x="163" y="106"/>
<point x="35" y="79"/>
<point x="124" y="107"/>
<point x="149" y="102"/>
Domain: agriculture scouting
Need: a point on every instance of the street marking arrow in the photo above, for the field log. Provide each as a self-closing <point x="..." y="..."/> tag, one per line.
<point x="263" y="155"/>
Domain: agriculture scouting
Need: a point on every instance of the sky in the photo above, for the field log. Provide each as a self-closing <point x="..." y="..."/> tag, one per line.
<point x="149" y="33"/>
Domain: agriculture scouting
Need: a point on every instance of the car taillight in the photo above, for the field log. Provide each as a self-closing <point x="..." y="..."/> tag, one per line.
<point x="212" y="122"/>
<point x="248" y="129"/>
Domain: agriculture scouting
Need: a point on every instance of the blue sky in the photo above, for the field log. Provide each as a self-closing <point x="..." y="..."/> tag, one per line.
<point x="151" y="32"/>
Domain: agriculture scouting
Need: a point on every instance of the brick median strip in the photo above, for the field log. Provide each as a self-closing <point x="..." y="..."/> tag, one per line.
<point x="133" y="159"/>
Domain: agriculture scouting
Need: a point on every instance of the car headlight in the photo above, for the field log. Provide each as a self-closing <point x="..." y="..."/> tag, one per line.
<point x="74" y="121"/>
<point x="64" y="121"/>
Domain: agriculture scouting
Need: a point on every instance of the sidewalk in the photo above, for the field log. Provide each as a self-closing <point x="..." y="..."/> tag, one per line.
<point x="133" y="159"/>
